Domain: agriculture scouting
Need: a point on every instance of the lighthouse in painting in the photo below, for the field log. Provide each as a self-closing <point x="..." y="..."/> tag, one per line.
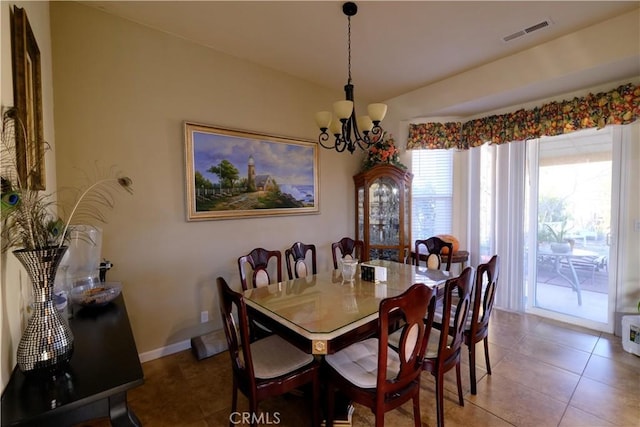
<point x="251" y="174"/>
<point x="258" y="182"/>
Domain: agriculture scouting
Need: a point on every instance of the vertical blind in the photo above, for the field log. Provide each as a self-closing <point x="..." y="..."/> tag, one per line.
<point x="432" y="193"/>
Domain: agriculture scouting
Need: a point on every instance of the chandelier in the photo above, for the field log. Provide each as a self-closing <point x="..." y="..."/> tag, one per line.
<point x="350" y="132"/>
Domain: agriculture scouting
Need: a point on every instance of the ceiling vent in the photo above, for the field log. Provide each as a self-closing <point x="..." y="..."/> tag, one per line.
<point x="539" y="26"/>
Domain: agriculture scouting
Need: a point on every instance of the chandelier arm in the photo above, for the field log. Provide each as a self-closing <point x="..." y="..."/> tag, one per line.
<point x="378" y="132"/>
<point x="345" y="137"/>
<point x="324" y="136"/>
<point x="364" y="141"/>
<point x="340" y="144"/>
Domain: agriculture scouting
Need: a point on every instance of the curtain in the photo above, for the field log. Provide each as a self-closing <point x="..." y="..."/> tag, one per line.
<point x="505" y="196"/>
<point x="509" y="223"/>
<point x="618" y="106"/>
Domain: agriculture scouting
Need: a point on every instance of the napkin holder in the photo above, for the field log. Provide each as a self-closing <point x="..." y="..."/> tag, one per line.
<point x="373" y="273"/>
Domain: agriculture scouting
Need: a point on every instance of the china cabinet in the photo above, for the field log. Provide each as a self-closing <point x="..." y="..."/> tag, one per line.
<point x="383" y="212"/>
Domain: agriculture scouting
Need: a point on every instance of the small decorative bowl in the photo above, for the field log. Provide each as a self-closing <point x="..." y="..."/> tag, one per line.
<point x="95" y="294"/>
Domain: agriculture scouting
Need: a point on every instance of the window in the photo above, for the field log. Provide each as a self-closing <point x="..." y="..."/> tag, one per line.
<point x="432" y="193"/>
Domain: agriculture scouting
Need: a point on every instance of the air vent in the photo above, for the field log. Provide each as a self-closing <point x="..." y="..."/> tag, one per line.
<point x="513" y="36"/>
<point x="536" y="27"/>
<point x="540" y="25"/>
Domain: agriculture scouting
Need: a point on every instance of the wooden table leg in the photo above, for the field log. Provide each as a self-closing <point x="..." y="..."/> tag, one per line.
<point x="119" y="412"/>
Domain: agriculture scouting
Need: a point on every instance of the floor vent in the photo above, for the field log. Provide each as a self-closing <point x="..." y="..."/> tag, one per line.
<point x="540" y="25"/>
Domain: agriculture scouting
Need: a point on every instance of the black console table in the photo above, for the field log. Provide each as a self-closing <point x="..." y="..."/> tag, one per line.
<point x="94" y="384"/>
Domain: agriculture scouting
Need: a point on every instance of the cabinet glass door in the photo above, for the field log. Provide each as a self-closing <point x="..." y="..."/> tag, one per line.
<point x="384" y="204"/>
<point x="360" y="213"/>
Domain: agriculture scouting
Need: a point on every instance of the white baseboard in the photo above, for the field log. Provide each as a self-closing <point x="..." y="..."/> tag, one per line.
<point x="214" y="343"/>
<point x="164" y="351"/>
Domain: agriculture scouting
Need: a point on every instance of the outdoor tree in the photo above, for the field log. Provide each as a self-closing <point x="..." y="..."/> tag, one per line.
<point x="227" y="173"/>
<point x="201" y="181"/>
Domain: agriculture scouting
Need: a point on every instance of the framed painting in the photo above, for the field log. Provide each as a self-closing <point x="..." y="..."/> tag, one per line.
<point x="27" y="98"/>
<point x="240" y="174"/>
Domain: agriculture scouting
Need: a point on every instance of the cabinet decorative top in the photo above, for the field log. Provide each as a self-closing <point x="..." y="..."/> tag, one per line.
<point x="382" y="152"/>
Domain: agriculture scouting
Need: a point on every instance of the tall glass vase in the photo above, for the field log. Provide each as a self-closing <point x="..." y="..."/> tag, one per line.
<point x="47" y="341"/>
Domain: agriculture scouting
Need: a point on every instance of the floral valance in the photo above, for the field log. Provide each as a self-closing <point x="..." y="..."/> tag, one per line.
<point x="619" y="106"/>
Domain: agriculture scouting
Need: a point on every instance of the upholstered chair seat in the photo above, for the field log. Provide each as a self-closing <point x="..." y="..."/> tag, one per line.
<point x="274" y="357"/>
<point x="358" y="363"/>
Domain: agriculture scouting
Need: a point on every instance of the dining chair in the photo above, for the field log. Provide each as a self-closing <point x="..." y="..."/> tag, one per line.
<point x="348" y="248"/>
<point x="434" y="245"/>
<point x="267" y="367"/>
<point x="259" y="260"/>
<point x="296" y="260"/>
<point x="477" y="327"/>
<point x="443" y="349"/>
<point x="375" y="375"/>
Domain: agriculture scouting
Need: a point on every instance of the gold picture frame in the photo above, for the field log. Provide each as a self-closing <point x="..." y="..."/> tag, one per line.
<point x="239" y="174"/>
<point x="27" y="99"/>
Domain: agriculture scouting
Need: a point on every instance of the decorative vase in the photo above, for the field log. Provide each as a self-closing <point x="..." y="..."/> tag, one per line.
<point x="560" y="247"/>
<point x="47" y="341"/>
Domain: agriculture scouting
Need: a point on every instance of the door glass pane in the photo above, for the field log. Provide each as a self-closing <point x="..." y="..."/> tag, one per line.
<point x="573" y="224"/>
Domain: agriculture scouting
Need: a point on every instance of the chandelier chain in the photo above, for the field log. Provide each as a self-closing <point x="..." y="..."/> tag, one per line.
<point x="349" y="47"/>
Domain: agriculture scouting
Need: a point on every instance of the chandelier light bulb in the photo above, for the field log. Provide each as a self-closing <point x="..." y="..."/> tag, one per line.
<point x="336" y="127"/>
<point x="323" y="119"/>
<point x="377" y="111"/>
<point x="365" y="124"/>
<point x="343" y="109"/>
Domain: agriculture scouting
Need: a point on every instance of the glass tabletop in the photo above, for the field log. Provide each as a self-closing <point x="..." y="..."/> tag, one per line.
<point x="323" y="306"/>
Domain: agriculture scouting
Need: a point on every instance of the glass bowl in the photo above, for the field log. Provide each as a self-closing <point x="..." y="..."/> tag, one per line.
<point x="95" y="294"/>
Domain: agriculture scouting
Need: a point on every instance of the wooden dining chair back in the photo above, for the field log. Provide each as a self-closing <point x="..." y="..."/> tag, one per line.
<point x="261" y="261"/>
<point x="434" y="245"/>
<point x="296" y="260"/>
<point x="347" y="248"/>
<point x="443" y="349"/>
<point x="477" y="328"/>
<point x="375" y="375"/>
<point x="264" y="368"/>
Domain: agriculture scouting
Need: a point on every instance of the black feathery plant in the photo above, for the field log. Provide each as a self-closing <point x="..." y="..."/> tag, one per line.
<point x="28" y="221"/>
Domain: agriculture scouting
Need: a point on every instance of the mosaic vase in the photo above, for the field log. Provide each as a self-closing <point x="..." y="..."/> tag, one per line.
<point x="47" y="342"/>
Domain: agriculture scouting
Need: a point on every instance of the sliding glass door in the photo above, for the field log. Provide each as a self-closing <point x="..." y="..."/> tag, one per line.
<point x="569" y="227"/>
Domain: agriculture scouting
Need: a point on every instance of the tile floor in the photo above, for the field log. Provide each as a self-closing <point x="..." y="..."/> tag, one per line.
<point x="545" y="373"/>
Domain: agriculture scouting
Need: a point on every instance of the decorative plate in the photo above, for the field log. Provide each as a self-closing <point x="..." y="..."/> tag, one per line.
<point x="95" y="294"/>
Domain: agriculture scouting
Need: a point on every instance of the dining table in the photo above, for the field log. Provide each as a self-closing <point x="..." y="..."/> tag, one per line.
<point x="323" y="313"/>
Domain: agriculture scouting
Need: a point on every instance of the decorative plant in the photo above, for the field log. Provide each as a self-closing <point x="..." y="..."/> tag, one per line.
<point x="559" y="234"/>
<point x="27" y="214"/>
<point x="553" y="218"/>
<point x="383" y="151"/>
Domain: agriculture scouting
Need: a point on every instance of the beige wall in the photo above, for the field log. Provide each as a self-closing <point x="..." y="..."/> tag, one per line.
<point x="122" y="94"/>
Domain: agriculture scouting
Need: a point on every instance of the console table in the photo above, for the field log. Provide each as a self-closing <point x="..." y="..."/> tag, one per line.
<point x="94" y="384"/>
